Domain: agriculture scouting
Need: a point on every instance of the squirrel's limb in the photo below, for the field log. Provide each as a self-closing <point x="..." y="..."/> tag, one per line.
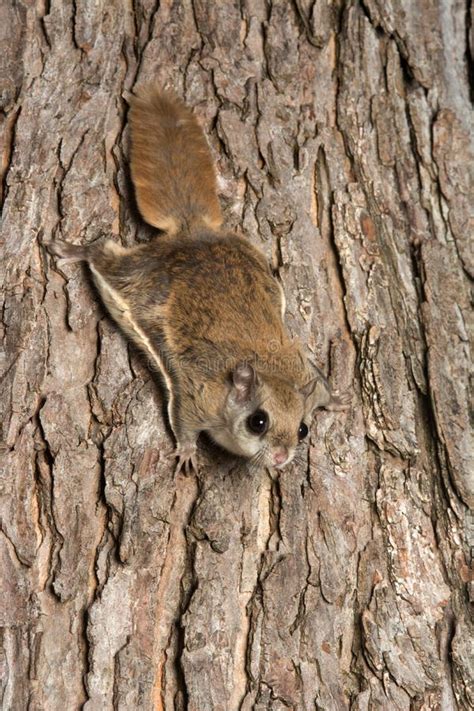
<point x="320" y="395"/>
<point x="186" y="455"/>
<point x="66" y="253"/>
<point x="339" y="401"/>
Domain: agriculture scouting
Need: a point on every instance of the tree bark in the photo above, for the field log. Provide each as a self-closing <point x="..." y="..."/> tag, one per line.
<point x="342" y="132"/>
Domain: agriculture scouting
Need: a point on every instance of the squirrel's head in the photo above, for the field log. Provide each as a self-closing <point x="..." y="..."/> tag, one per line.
<point x="265" y="417"/>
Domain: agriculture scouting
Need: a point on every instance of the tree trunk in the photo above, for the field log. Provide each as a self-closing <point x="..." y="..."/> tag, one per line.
<point x="341" y="131"/>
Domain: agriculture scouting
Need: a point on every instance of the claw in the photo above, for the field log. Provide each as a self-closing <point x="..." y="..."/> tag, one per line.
<point x="187" y="459"/>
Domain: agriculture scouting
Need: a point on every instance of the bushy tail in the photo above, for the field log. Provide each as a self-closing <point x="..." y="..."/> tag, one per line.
<point x="171" y="165"/>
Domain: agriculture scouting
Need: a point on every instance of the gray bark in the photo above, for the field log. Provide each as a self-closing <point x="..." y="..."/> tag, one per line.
<point x="342" y="134"/>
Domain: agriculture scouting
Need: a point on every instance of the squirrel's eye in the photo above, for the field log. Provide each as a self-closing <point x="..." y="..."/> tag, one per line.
<point x="257" y="422"/>
<point x="302" y="431"/>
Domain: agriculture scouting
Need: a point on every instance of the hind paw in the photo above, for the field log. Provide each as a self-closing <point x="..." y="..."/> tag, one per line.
<point x="65" y="252"/>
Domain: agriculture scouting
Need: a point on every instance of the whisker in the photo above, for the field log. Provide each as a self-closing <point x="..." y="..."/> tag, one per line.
<point x="255" y="463"/>
<point x="301" y="458"/>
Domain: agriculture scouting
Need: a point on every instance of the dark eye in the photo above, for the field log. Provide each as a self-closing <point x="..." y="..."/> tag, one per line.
<point x="257" y="422"/>
<point x="303" y="431"/>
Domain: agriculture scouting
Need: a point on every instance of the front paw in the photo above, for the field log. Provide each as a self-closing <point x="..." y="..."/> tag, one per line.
<point x="339" y="402"/>
<point x="186" y="455"/>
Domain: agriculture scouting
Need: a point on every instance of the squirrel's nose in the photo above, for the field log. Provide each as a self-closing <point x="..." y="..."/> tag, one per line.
<point x="280" y="456"/>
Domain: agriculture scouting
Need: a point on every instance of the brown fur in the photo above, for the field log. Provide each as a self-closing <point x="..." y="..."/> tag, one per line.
<point x="202" y="304"/>
<point x="171" y="165"/>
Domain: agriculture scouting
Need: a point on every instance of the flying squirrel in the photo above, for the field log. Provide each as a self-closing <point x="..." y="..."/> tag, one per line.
<point x="202" y="303"/>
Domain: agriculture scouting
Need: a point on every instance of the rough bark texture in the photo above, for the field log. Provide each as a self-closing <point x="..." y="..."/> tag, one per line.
<point x="342" y="135"/>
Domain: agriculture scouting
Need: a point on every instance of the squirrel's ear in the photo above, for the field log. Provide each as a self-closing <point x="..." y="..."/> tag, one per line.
<point x="244" y="381"/>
